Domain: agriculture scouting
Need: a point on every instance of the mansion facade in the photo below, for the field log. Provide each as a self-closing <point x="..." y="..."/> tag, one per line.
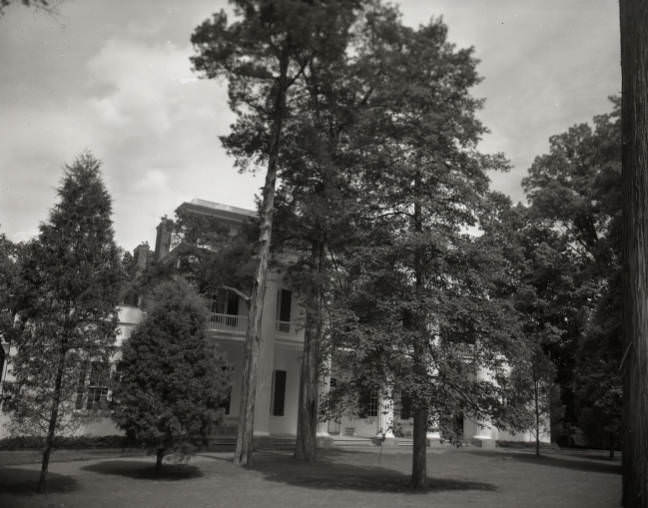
<point x="279" y="361"/>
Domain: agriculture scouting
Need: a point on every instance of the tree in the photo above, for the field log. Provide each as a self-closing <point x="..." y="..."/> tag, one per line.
<point x="71" y="275"/>
<point x="9" y="288"/>
<point x="48" y="6"/>
<point x="575" y="191"/>
<point x="317" y="205"/>
<point x="262" y="55"/>
<point x="171" y="381"/>
<point x="424" y="317"/>
<point x="634" y="121"/>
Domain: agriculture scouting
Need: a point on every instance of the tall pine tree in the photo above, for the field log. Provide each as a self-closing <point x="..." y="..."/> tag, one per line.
<point x="263" y="54"/>
<point x="71" y="275"/>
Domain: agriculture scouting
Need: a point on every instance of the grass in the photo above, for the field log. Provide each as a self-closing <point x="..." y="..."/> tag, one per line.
<point x="458" y="477"/>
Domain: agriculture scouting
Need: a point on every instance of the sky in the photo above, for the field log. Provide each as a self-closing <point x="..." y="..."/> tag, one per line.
<point x="114" y="77"/>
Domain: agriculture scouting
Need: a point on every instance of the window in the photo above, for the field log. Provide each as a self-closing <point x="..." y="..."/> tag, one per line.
<point x="368" y="402"/>
<point x="278" y="392"/>
<point x="225" y="302"/>
<point x="96" y="391"/>
<point x="226" y="403"/>
<point x="284" y="300"/>
<point x="98" y="385"/>
<point x="406" y="407"/>
<point x="83" y="372"/>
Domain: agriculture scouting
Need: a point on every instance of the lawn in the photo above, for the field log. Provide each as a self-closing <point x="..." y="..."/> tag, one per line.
<point x="458" y="477"/>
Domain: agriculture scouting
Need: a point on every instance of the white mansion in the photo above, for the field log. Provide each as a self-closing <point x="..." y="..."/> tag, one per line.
<point x="279" y="362"/>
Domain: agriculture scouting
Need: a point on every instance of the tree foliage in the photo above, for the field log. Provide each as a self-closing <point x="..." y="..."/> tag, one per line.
<point x="263" y="54"/>
<point x="422" y="314"/>
<point x="70" y="277"/>
<point x="575" y="191"/>
<point x="171" y="380"/>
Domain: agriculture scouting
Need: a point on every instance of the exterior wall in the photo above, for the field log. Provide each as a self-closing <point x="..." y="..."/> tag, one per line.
<point x="92" y="423"/>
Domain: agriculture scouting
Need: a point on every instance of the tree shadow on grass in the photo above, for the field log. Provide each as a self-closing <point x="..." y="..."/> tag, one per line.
<point x="567" y="462"/>
<point x="140" y="470"/>
<point x="326" y="474"/>
<point x="24" y="482"/>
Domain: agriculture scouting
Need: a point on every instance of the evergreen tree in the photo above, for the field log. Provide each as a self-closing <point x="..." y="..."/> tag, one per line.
<point x="71" y="276"/>
<point x="317" y="201"/>
<point x="263" y="55"/>
<point x="171" y="381"/>
<point x="425" y="316"/>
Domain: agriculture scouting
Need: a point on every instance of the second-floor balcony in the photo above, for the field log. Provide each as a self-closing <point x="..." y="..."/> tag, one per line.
<point x="228" y="322"/>
<point x="237" y="324"/>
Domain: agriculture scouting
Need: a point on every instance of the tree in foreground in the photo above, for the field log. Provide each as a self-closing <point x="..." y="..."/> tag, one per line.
<point x="634" y="121"/>
<point x="263" y="54"/>
<point x="70" y="277"/>
<point x="425" y="312"/>
<point x="171" y="381"/>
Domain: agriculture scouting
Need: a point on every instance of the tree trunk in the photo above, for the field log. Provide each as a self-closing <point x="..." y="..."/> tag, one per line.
<point x="245" y="433"/>
<point x="419" y="452"/>
<point x="158" y="460"/>
<point x="536" y="395"/>
<point x="308" y="410"/>
<point x="611" y="435"/>
<point x="51" y="431"/>
<point x="634" y="66"/>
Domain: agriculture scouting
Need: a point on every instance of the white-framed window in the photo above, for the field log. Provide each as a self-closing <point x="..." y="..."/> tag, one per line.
<point x="92" y="388"/>
<point x="284" y="304"/>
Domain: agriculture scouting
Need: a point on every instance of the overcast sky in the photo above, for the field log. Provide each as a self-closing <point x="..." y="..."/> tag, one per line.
<point x="113" y="76"/>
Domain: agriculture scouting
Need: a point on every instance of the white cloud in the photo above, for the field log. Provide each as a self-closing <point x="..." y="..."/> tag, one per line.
<point x="154" y="180"/>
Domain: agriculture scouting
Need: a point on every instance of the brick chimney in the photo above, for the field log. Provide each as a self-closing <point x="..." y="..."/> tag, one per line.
<point x="163" y="238"/>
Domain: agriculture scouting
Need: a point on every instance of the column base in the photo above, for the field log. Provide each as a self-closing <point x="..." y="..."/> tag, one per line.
<point x="483" y="442"/>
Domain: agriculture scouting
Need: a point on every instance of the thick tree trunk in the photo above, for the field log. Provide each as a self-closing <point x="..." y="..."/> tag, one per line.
<point x="51" y="430"/>
<point x="158" y="460"/>
<point x="245" y="433"/>
<point x="419" y="452"/>
<point x="634" y="64"/>
<point x="611" y="436"/>
<point x="308" y="410"/>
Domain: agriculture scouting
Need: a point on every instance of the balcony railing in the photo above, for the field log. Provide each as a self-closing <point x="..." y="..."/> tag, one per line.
<point x="228" y="322"/>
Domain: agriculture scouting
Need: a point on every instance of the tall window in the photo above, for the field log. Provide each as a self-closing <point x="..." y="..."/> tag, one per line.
<point x="225" y="302"/>
<point x="98" y="385"/>
<point x="368" y="403"/>
<point x="284" y="301"/>
<point x="406" y="407"/>
<point x="80" y="391"/>
<point x="278" y="392"/>
<point x="96" y="390"/>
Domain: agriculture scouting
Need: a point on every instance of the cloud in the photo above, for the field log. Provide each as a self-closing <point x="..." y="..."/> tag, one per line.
<point x="154" y="180"/>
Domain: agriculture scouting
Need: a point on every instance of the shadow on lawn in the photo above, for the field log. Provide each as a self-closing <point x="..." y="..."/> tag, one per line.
<point x="140" y="470"/>
<point x="25" y="482"/>
<point x="326" y="474"/>
<point x="576" y="463"/>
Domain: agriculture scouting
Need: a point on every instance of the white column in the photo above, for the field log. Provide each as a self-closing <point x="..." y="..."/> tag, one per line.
<point x="485" y="433"/>
<point x="433" y="430"/>
<point x="386" y="414"/>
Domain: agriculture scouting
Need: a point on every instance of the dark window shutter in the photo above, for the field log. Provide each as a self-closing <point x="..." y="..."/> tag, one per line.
<point x="279" y="393"/>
